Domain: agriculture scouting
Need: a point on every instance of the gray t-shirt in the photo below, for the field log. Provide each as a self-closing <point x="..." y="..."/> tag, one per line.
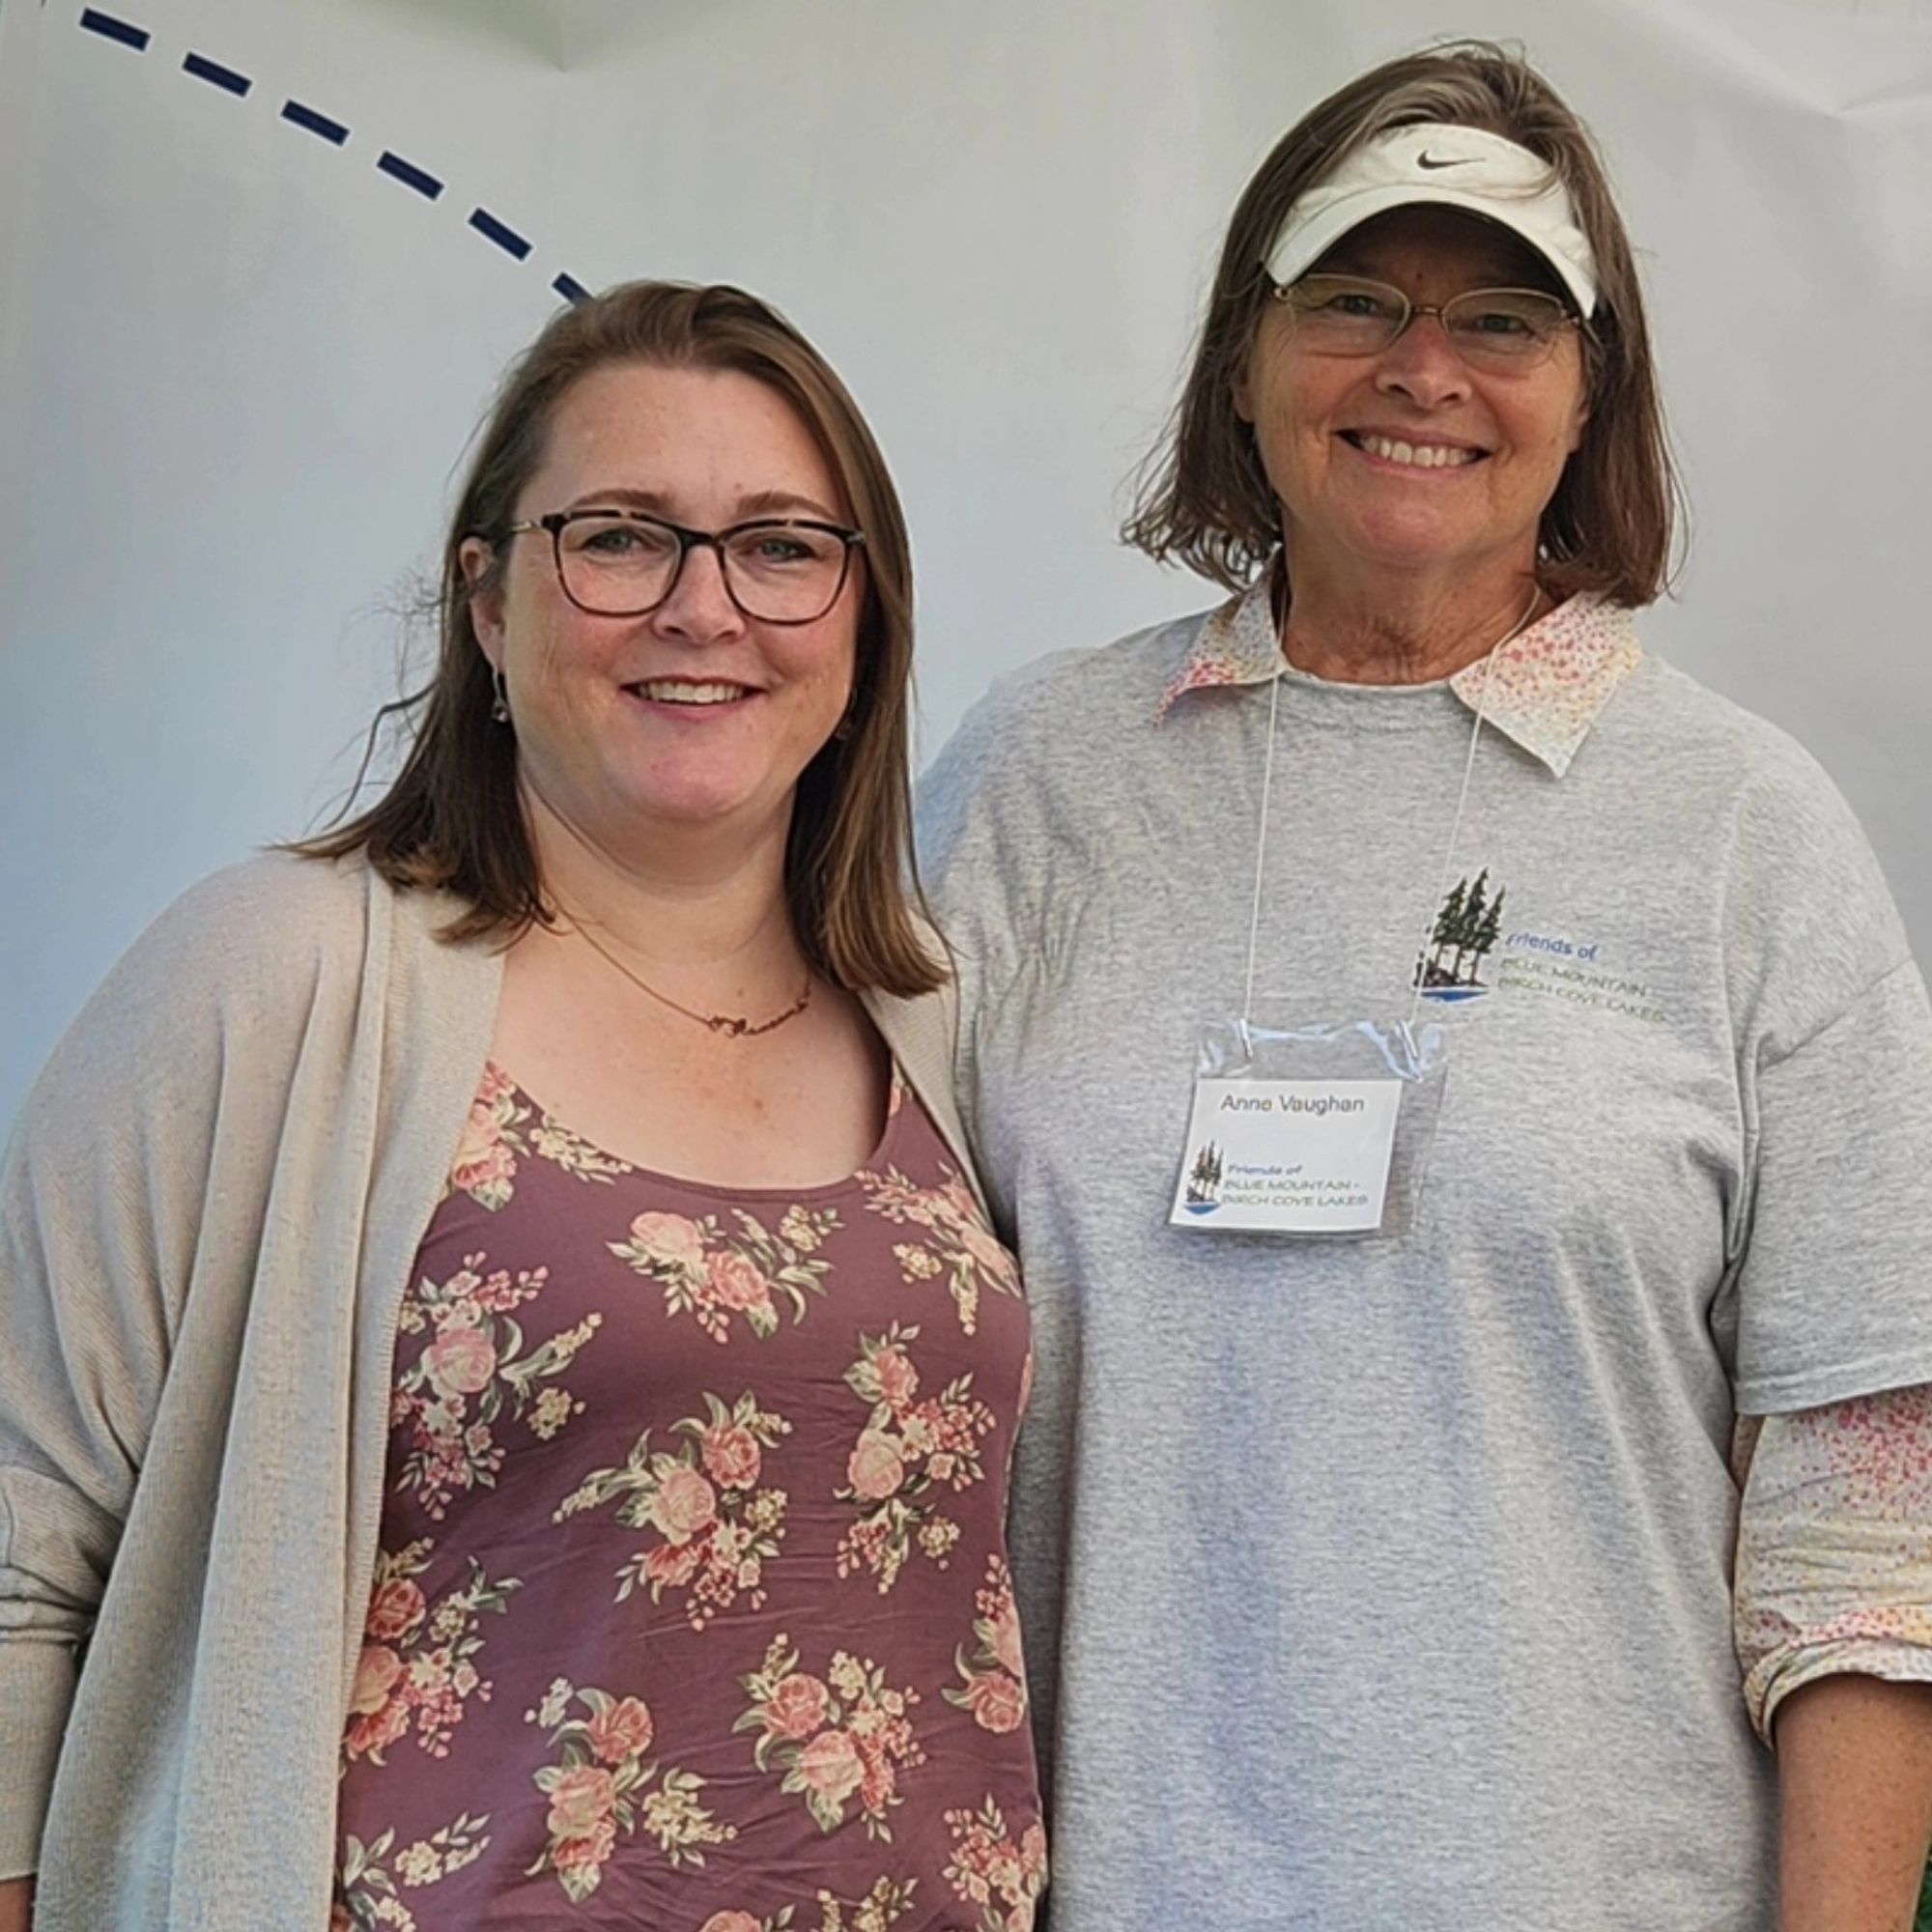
<point x="1377" y="1584"/>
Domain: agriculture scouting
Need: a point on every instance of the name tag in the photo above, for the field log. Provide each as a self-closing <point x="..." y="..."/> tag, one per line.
<point x="1288" y="1156"/>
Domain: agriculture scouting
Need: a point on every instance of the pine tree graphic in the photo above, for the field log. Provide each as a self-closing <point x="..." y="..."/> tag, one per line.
<point x="1446" y="922"/>
<point x="1203" y="1180"/>
<point x="1470" y="923"/>
<point x="1485" y="941"/>
<point x="1463" y="935"/>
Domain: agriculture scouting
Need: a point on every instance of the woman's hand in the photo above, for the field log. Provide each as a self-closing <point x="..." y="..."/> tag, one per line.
<point x="1854" y="1778"/>
<point x="16" y="1904"/>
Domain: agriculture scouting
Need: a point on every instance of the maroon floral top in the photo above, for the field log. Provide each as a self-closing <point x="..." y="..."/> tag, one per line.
<point x="691" y="1610"/>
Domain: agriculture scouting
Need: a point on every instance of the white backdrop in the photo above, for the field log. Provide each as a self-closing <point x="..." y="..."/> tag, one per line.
<point x="239" y="359"/>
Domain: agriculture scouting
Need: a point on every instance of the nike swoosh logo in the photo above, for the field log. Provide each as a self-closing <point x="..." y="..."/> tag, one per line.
<point x="1430" y="162"/>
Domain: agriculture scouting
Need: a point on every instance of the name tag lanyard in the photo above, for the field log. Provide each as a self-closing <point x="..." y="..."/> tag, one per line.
<point x="1321" y="1127"/>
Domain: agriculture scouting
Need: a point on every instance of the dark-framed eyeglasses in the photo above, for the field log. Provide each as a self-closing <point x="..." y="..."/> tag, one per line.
<point x="624" y="564"/>
<point x="1501" y="329"/>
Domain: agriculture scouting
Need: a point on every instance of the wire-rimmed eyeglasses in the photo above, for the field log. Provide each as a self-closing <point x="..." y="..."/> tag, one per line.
<point x="624" y="564"/>
<point x="1503" y="330"/>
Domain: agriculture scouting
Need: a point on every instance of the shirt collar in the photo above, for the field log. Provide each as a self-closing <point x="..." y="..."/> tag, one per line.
<point x="1544" y="689"/>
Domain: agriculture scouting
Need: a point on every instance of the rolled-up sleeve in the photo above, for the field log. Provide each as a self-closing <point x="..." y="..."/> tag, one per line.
<point x="1835" y="1545"/>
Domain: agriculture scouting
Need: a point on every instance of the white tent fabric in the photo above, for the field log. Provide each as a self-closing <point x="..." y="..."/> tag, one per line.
<point x="260" y="265"/>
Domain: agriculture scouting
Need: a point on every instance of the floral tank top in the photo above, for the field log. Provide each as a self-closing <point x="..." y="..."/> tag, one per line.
<point x="691" y="1610"/>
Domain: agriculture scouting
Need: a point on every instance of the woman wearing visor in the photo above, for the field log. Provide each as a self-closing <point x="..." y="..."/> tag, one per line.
<point x="1459" y="1570"/>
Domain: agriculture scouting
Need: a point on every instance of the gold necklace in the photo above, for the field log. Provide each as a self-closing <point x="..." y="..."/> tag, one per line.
<point x="733" y="1026"/>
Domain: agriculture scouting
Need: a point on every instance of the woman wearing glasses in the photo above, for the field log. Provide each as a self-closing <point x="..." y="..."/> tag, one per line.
<point x="1444" y="1547"/>
<point x="508" y="1384"/>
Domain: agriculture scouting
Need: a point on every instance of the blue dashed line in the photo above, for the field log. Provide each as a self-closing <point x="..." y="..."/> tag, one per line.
<point x="316" y="124"/>
<point x="112" y="29"/>
<point x="506" y="239"/>
<point x="298" y="114"/>
<point x="410" y="175"/>
<point x="217" y="75"/>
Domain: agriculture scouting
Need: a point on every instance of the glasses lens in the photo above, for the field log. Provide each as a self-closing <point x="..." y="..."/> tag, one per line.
<point x="616" y="565"/>
<point x="1508" y="327"/>
<point x="786" y="573"/>
<point x="1339" y="314"/>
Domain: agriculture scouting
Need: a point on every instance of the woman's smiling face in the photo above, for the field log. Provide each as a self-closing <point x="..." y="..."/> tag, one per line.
<point x="692" y="715"/>
<point x="1408" y="460"/>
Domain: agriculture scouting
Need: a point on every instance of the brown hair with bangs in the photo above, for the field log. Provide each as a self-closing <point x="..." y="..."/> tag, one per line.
<point x="1204" y="498"/>
<point x="452" y="820"/>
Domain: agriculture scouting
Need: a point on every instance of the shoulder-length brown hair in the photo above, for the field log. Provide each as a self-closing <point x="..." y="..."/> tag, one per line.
<point x="1204" y="498"/>
<point x="452" y="818"/>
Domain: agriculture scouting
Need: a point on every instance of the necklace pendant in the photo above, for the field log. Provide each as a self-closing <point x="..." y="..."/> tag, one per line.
<point x="733" y="1026"/>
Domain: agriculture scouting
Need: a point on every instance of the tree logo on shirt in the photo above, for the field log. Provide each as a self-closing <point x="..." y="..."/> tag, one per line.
<point x="1464" y="936"/>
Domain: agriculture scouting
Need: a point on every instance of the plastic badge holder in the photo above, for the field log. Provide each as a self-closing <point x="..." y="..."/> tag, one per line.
<point x="1311" y="1131"/>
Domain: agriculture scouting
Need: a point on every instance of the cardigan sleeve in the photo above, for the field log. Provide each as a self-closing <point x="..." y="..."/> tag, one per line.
<point x="1835" y="1545"/>
<point x="101" y="1198"/>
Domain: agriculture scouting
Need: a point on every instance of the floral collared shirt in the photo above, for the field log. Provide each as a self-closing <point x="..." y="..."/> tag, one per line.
<point x="1542" y="689"/>
<point x="1834" y="1544"/>
<point x="1835" y="1536"/>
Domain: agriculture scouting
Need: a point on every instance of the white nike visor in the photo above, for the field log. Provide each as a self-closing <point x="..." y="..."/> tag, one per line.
<point x="1456" y="167"/>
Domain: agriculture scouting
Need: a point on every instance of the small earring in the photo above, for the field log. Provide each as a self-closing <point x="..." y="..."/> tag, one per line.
<point x="499" y="707"/>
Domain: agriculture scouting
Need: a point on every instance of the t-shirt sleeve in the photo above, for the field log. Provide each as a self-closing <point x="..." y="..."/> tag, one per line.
<point x="1830" y="1273"/>
<point x="978" y="868"/>
<point x="1835" y="1292"/>
<point x="980" y="858"/>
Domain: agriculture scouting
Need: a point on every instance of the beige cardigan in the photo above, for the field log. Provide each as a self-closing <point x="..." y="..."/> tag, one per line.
<point x="208" y="1215"/>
